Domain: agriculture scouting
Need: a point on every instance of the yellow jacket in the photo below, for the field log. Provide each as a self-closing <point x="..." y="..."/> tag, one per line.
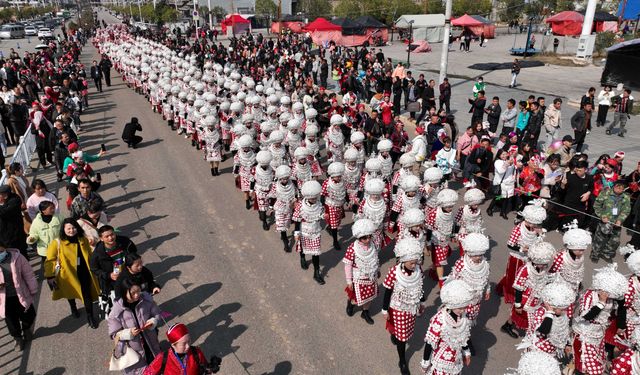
<point x="67" y="280"/>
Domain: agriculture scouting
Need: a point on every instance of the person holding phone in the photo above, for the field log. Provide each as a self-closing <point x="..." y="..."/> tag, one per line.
<point x="135" y="270"/>
<point x="132" y="319"/>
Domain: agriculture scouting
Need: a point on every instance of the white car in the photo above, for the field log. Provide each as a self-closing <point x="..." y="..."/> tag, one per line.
<point x="45" y="32"/>
<point x="30" y="31"/>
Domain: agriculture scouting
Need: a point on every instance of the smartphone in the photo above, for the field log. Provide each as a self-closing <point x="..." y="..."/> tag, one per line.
<point x="98" y="176"/>
<point x="103" y="147"/>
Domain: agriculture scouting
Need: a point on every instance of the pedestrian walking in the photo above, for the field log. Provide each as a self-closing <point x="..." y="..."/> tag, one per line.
<point x="182" y="358"/>
<point x="553" y="121"/>
<point x="623" y="107"/>
<point x="604" y="103"/>
<point x="96" y="75"/>
<point x="307" y="214"/>
<point x="45" y="228"/>
<point x="67" y="270"/>
<point x="515" y="71"/>
<point x="135" y="271"/>
<point x="402" y="296"/>
<point x="581" y="122"/>
<point x="132" y="322"/>
<point x="18" y="289"/>
<point x="12" y="230"/>
<point x="105" y="67"/>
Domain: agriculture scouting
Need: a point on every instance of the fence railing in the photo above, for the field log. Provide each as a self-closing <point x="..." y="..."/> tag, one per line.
<point x="23" y="154"/>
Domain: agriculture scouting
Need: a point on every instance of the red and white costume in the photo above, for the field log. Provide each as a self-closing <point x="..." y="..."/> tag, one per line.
<point x="404" y="202"/>
<point x="440" y="223"/>
<point x="469" y="216"/>
<point x="374" y="208"/>
<point x="361" y="267"/>
<point x="405" y="301"/>
<point x="309" y="217"/>
<point x="476" y="275"/>
<point x="334" y="194"/>
<point x="278" y="151"/>
<point x="285" y="199"/>
<point x="263" y="177"/>
<point x="334" y="139"/>
<point x="432" y="187"/>
<point x="447" y="338"/>
<point x="530" y="282"/>
<point x="593" y="318"/>
<point x="384" y="147"/>
<point x="211" y="140"/>
<point x="519" y="242"/>
<point x="351" y="176"/>
<point x="244" y="162"/>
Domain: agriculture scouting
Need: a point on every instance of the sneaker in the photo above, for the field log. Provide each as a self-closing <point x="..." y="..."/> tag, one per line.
<point x="608" y="132"/>
<point x="19" y="346"/>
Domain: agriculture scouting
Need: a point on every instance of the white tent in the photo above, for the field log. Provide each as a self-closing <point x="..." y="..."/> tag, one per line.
<point x="429" y="27"/>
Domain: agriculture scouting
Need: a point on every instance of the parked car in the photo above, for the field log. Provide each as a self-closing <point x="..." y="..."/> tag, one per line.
<point x="30" y="31"/>
<point x="11" y="32"/>
<point x="45" y="32"/>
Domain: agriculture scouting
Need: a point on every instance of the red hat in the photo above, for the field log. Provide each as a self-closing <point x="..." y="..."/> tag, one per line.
<point x="619" y="155"/>
<point x="612" y="162"/>
<point x="176" y="332"/>
<point x="73" y="147"/>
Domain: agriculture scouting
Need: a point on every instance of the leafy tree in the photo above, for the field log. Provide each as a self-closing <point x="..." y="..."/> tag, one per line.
<point x="392" y="9"/>
<point x="315" y="8"/>
<point x="218" y="12"/>
<point x="266" y="8"/>
<point x="481" y="7"/>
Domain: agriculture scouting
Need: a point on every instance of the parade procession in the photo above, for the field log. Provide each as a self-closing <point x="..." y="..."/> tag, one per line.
<point x="305" y="161"/>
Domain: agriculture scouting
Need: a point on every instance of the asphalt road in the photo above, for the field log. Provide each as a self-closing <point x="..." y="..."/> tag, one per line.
<point x="242" y="297"/>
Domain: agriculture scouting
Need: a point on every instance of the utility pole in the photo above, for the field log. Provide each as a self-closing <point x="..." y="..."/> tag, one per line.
<point x="140" y="11"/>
<point x="409" y="44"/>
<point x="210" y="15"/>
<point x="586" y="40"/>
<point x="444" y="57"/>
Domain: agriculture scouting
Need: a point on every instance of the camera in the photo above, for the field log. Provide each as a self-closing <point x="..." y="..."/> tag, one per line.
<point x="213" y="367"/>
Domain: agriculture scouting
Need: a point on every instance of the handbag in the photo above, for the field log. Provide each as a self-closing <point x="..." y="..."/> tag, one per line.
<point x="496" y="190"/>
<point x="413" y="107"/>
<point x="105" y="304"/>
<point x="128" y="359"/>
<point x="58" y="266"/>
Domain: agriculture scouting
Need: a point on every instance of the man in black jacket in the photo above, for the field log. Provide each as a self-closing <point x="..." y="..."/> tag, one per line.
<point x="581" y="122"/>
<point x="129" y="133"/>
<point x="373" y="129"/>
<point x="96" y="74"/>
<point x="11" y="224"/>
<point x="107" y="260"/>
<point x="493" y="112"/>
<point x="105" y="66"/>
<point x="405" y="88"/>
<point x="477" y="108"/>
<point x="534" y="126"/>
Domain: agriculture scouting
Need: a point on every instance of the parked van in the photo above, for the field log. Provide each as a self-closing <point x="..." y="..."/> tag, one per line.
<point x="12" y="32"/>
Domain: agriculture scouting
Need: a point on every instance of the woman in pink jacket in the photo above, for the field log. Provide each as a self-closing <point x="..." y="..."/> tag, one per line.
<point x="18" y="287"/>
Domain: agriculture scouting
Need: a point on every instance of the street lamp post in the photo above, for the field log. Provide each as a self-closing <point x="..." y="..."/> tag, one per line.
<point x="409" y="44"/>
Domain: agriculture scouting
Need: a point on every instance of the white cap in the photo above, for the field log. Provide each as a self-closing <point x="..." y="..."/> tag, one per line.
<point x="410" y="183"/>
<point x="247" y="117"/>
<point x="284" y="117"/>
<point x="558" y="294"/>
<point x="632" y="258"/>
<point x="263" y="157"/>
<point x="534" y="214"/>
<point x="474" y="196"/>
<point x="293" y="124"/>
<point x="432" y="175"/>
<point x="611" y="281"/>
<point x="475" y="244"/>
<point x="351" y="154"/>
<point x="373" y="165"/>
<point x="297" y="106"/>
<point x="576" y="239"/>
<point x="384" y="145"/>
<point x="285" y="100"/>
<point x="412" y="217"/>
<point x="310" y="113"/>
<point x="283" y="171"/>
<point x="447" y="198"/>
<point x="311" y="189"/>
<point x="363" y="227"/>
<point x="456" y="294"/>
<point x="245" y="141"/>
<point x="335" y="169"/>
<point x="336" y="119"/>
<point x="537" y="363"/>
<point x="311" y="130"/>
<point x="541" y="252"/>
<point x="406" y="159"/>
<point x="407" y="249"/>
<point x="301" y="153"/>
<point x="356" y="137"/>
<point x="276" y="136"/>
<point x="374" y="186"/>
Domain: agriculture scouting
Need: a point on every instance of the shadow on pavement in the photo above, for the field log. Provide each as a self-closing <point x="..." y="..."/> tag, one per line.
<point x="223" y="332"/>
<point x="282" y="368"/>
<point x="153" y="243"/>
<point x="190" y="300"/>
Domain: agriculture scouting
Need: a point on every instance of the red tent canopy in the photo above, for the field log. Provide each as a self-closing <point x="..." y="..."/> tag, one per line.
<point x="566" y="23"/>
<point x="321" y="24"/>
<point x="567" y="15"/>
<point x="466" y="21"/>
<point x="233" y="20"/>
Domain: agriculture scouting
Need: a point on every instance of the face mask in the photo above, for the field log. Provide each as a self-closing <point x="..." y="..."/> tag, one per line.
<point x="3" y="256"/>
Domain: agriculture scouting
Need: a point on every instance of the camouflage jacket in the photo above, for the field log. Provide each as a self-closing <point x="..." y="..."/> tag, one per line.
<point x="608" y="201"/>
